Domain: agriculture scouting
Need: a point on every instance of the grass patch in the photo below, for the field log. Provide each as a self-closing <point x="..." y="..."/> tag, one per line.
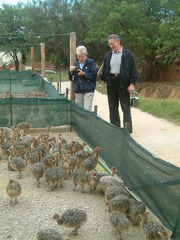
<point x="168" y="109"/>
<point x="55" y="77"/>
<point x="98" y="87"/>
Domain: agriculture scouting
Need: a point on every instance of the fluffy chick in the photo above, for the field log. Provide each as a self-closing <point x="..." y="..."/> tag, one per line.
<point x="49" y="161"/>
<point x="135" y="210"/>
<point x="114" y="190"/>
<point x="108" y="180"/>
<point x="13" y="190"/>
<point x="48" y="234"/>
<point x="93" y="180"/>
<point x="72" y="218"/>
<point x="79" y="178"/>
<point x="53" y="177"/>
<point x="37" y="171"/>
<point x="120" y="203"/>
<point x="18" y="164"/>
<point x="119" y="222"/>
<point x="153" y="230"/>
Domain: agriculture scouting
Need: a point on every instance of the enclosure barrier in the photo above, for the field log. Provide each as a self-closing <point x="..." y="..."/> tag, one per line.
<point x="25" y="84"/>
<point x="155" y="181"/>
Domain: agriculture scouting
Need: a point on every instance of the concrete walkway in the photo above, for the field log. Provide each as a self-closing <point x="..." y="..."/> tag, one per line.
<point x="158" y="136"/>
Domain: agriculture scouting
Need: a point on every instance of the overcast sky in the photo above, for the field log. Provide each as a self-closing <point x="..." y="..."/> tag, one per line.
<point x="13" y="2"/>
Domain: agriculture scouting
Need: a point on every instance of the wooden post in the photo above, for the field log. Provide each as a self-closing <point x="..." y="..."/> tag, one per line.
<point x="72" y="60"/>
<point x="32" y="58"/>
<point x="43" y="61"/>
<point x="95" y="108"/>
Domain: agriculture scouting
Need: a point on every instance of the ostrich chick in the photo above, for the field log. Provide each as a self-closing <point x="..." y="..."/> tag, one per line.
<point x="79" y="178"/>
<point x="13" y="190"/>
<point x="49" y="161"/>
<point x="72" y="218"/>
<point x="108" y="180"/>
<point x="18" y="164"/>
<point x="120" y="203"/>
<point x="48" y="234"/>
<point x="72" y="162"/>
<point x="119" y="222"/>
<point x="114" y="190"/>
<point x="135" y="210"/>
<point x="53" y="176"/>
<point x="37" y="171"/>
<point x="93" y="180"/>
<point x="25" y="126"/>
<point x="153" y="230"/>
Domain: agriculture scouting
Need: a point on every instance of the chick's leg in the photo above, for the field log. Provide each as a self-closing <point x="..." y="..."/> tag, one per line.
<point x="74" y="232"/>
<point x="19" y="175"/>
<point x="15" y="201"/>
<point x="75" y="185"/>
<point x="38" y="182"/>
<point x="11" y="202"/>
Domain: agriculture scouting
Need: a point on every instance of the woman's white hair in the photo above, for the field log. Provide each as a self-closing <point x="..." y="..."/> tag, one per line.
<point x="81" y="50"/>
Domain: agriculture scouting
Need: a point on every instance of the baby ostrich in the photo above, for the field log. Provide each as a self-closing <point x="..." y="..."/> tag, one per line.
<point x="48" y="234"/>
<point x="25" y="126"/>
<point x="120" y="203"/>
<point x="17" y="163"/>
<point x="118" y="221"/>
<point x="48" y="161"/>
<point x="76" y="146"/>
<point x="31" y="157"/>
<point x="93" y="180"/>
<point x="71" y="162"/>
<point x="108" y="180"/>
<point x="83" y="154"/>
<point x="114" y="190"/>
<point x="79" y="178"/>
<point x="72" y="218"/>
<point x="53" y="177"/>
<point x="37" y="171"/>
<point x="13" y="190"/>
<point x="90" y="163"/>
<point x="135" y="210"/>
<point x="153" y="230"/>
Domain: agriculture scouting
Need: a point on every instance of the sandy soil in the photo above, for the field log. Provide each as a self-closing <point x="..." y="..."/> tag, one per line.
<point x="36" y="207"/>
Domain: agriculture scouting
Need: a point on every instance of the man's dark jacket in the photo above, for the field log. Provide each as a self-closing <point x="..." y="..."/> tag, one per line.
<point x="128" y="70"/>
<point x="87" y="82"/>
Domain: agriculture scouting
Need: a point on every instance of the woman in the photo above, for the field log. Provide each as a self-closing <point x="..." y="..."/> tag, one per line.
<point x="84" y="74"/>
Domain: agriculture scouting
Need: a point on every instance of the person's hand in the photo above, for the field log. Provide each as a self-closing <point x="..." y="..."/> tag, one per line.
<point x="103" y="85"/>
<point x="72" y="68"/>
<point x="131" y="88"/>
<point x="81" y="73"/>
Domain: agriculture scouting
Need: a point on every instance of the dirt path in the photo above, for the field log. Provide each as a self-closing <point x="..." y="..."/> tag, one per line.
<point x="158" y="136"/>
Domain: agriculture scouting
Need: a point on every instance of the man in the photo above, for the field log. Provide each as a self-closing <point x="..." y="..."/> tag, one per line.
<point x="119" y="73"/>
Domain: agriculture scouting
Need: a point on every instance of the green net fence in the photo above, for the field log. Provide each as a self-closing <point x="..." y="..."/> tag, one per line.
<point x="153" y="180"/>
<point x="25" y="84"/>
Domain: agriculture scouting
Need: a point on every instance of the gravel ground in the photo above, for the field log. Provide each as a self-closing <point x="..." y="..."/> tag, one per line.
<point x="36" y="207"/>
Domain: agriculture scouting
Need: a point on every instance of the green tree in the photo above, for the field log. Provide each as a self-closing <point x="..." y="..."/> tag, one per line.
<point x="12" y="31"/>
<point x="143" y="26"/>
